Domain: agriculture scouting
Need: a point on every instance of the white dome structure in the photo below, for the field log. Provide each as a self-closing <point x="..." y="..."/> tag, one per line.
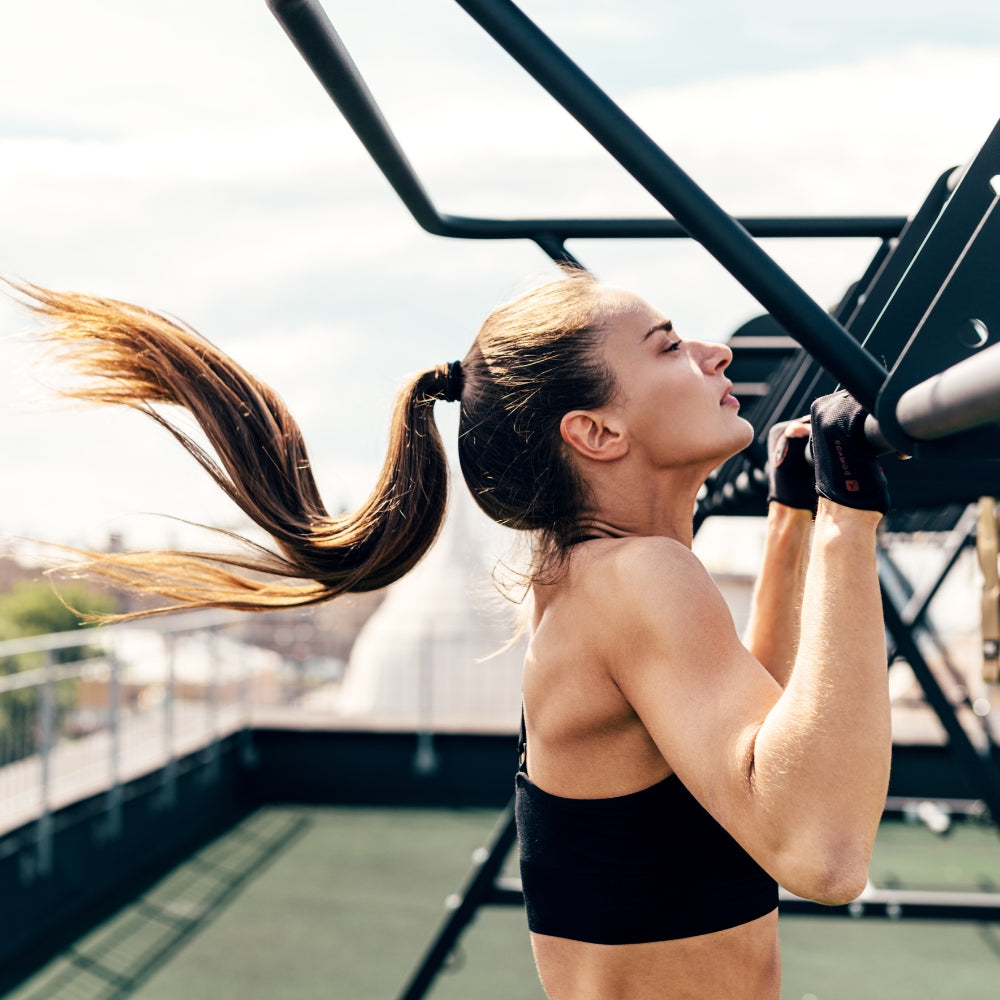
<point x="438" y="653"/>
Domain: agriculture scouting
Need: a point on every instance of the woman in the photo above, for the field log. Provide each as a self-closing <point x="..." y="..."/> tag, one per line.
<point x="671" y="774"/>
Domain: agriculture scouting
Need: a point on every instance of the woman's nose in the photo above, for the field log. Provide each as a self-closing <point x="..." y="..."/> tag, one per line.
<point x="715" y="357"/>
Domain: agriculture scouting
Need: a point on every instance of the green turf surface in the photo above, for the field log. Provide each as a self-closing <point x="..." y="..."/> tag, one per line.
<point x="328" y="902"/>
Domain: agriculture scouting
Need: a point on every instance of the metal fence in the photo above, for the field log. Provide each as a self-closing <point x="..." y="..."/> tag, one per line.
<point x="83" y="712"/>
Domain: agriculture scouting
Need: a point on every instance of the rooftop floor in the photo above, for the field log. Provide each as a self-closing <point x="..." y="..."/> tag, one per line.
<point x="341" y="902"/>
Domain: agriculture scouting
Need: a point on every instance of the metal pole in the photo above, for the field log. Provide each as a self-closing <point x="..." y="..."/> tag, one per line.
<point x="211" y="752"/>
<point x="46" y="711"/>
<point x="311" y="32"/>
<point x="825" y="339"/>
<point x="170" y="723"/>
<point x="964" y="396"/>
<point x="113" y="797"/>
<point x="425" y="759"/>
<point x="248" y="752"/>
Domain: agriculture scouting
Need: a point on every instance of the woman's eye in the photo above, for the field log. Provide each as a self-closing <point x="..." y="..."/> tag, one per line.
<point x="672" y="346"/>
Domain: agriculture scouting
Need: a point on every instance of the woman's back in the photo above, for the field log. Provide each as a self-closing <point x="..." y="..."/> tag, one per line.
<point x="630" y="884"/>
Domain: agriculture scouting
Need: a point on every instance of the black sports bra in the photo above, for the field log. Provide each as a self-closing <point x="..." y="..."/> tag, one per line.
<point x="650" y="866"/>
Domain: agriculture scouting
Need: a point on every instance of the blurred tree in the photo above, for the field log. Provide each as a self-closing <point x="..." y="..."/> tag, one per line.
<point x="33" y="608"/>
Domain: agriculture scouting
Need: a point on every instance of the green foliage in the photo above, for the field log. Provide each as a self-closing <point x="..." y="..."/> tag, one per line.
<point x="31" y="608"/>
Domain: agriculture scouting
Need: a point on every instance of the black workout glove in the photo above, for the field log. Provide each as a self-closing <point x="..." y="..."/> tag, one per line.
<point x="790" y="477"/>
<point x="847" y="469"/>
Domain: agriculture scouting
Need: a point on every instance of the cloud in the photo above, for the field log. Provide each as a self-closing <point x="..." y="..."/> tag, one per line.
<point x="182" y="156"/>
<point x="866" y="137"/>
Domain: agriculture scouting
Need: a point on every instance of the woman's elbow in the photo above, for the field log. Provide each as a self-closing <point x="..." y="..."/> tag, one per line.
<point x="833" y="877"/>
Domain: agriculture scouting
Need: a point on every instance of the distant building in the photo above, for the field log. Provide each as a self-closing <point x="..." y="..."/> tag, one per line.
<point x="13" y="572"/>
<point x="442" y="651"/>
<point x="321" y="632"/>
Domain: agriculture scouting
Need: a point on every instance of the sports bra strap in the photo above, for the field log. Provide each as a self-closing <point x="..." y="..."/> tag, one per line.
<point x="522" y="747"/>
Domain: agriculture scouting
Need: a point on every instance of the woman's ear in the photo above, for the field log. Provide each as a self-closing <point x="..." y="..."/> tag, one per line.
<point x="593" y="435"/>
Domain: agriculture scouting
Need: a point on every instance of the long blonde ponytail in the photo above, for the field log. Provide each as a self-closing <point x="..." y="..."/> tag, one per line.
<point x="134" y="357"/>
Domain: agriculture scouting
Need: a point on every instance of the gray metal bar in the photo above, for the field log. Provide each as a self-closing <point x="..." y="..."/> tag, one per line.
<point x="194" y="621"/>
<point x="170" y="722"/>
<point x="210" y="755"/>
<point x="961" y="398"/>
<point x="113" y="797"/>
<point x="895" y="904"/>
<point x="964" y="396"/>
<point x="892" y="904"/>
<point x="47" y="729"/>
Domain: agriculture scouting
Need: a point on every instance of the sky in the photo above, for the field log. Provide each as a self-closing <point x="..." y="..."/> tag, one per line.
<point x="182" y="156"/>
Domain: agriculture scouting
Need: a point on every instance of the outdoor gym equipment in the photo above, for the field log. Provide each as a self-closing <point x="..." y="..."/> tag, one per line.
<point x="928" y="301"/>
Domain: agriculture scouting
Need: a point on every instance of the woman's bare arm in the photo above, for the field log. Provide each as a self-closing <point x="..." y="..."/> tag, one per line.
<point x="824" y="749"/>
<point x="772" y="631"/>
<point x="799" y="775"/>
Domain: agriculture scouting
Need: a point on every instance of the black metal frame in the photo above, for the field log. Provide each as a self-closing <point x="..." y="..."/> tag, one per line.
<point x="694" y="214"/>
<point x="915" y="293"/>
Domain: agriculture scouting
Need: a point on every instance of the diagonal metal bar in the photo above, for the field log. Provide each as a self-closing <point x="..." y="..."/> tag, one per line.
<point x="961" y="536"/>
<point x="720" y="234"/>
<point x="980" y="768"/>
<point x="479" y="890"/>
<point x="312" y="33"/>
<point x="730" y="241"/>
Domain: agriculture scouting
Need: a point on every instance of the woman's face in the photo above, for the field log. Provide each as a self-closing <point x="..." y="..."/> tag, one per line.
<point x="674" y="396"/>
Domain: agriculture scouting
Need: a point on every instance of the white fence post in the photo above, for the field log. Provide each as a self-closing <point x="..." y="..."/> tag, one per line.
<point x="46" y="734"/>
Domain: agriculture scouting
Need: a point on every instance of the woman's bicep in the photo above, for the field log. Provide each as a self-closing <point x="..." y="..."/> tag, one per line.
<point x="699" y="693"/>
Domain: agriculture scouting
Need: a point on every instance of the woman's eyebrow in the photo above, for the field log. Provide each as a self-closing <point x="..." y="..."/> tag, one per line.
<point x="666" y="326"/>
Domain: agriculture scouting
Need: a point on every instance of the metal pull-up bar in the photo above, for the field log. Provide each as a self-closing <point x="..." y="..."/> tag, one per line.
<point x="942" y="405"/>
<point x="318" y="43"/>
<point x="695" y="213"/>
<point x="962" y="397"/>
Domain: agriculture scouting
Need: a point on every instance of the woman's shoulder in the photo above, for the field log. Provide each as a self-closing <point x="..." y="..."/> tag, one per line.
<point x="642" y="574"/>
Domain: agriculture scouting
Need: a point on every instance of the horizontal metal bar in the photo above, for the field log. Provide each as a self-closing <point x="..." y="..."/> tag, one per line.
<point x="317" y="40"/>
<point x="194" y="621"/>
<point x="902" y="904"/>
<point x="964" y="396"/>
<point x="55" y="640"/>
<point x="58" y="672"/>
<point x="873" y="902"/>
<point x="788" y="227"/>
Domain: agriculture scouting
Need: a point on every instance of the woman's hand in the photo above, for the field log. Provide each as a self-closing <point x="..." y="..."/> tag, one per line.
<point x="790" y="476"/>
<point x="847" y="468"/>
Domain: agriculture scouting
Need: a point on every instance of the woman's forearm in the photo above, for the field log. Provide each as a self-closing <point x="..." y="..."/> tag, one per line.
<point x="821" y="757"/>
<point x="772" y="631"/>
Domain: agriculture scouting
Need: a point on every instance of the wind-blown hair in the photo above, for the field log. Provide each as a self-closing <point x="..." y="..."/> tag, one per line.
<point x="533" y="360"/>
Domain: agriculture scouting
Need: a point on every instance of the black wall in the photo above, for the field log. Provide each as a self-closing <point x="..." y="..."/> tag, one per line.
<point x="95" y="869"/>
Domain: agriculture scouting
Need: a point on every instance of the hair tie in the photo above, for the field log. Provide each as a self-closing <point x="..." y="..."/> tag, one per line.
<point x="442" y="382"/>
<point x="450" y="387"/>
